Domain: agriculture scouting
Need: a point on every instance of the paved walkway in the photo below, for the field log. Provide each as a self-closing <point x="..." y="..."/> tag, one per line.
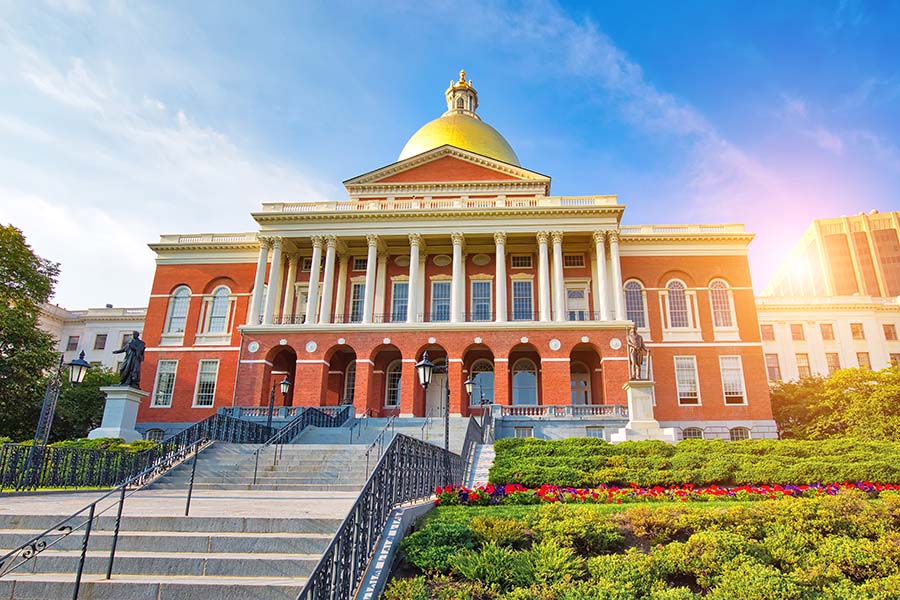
<point x="205" y="503"/>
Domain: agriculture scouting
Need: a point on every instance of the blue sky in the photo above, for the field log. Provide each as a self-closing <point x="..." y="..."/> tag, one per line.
<point x="121" y="121"/>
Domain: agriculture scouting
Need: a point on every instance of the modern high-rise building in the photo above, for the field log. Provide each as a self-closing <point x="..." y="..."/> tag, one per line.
<point x="842" y="257"/>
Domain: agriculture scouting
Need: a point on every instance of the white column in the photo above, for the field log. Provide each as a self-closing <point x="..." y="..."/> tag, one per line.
<point x="381" y="287"/>
<point x="559" y="286"/>
<point x="500" y="265"/>
<point x="287" y="309"/>
<point x="315" y="271"/>
<point x="260" y="281"/>
<point x="600" y="274"/>
<point x="274" y="282"/>
<point x="456" y="302"/>
<point x="412" y="302"/>
<point x="328" y="284"/>
<point x="543" y="277"/>
<point x="340" y="297"/>
<point x="616" y="275"/>
<point x="371" y="258"/>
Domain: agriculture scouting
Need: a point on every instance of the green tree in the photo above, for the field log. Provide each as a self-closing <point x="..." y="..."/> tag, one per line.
<point x="796" y="405"/>
<point x="26" y="352"/>
<point x="80" y="407"/>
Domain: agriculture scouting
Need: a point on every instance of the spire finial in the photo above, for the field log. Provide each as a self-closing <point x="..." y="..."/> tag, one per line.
<point x="462" y="75"/>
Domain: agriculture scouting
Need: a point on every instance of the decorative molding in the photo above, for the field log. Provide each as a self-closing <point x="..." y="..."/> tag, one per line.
<point x="557" y="237"/>
<point x="500" y="238"/>
<point x="415" y="239"/>
<point x="542" y="237"/>
<point x="457" y="238"/>
<point x="330" y="241"/>
<point x="372" y="240"/>
<point x="599" y="237"/>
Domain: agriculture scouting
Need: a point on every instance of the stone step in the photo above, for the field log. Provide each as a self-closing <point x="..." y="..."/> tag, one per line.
<point x="176" y="541"/>
<point x="58" y="586"/>
<point x="299" y="487"/>
<point x="245" y="525"/>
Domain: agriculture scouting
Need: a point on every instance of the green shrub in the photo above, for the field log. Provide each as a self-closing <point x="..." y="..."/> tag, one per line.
<point x="754" y="581"/>
<point x="430" y="548"/>
<point x="493" y="565"/>
<point x="552" y="563"/>
<point x="406" y="589"/>
<point x="706" y="555"/>
<point x="578" y="527"/>
<point x="511" y="533"/>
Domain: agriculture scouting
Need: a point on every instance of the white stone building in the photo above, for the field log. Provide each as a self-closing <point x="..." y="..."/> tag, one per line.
<point x="97" y="331"/>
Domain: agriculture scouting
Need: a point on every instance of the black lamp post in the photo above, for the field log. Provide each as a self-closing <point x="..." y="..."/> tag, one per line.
<point x="425" y="369"/>
<point x="285" y="386"/>
<point x="78" y="368"/>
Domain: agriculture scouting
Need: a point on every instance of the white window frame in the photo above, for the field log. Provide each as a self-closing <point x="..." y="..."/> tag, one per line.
<point x="398" y="315"/>
<point x="175" y="338"/>
<point x="591" y="431"/>
<point x="797" y="356"/>
<point x="357" y="311"/>
<point x="537" y="382"/>
<point x="349" y="387"/>
<point x="724" y="333"/>
<point x="153" y="397"/>
<point x="575" y="264"/>
<point x="490" y="299"/>
<point x="358" y="261"/>
<point x="151" y="435"/>
<point x="513" y="257"/>
<point x="777" y="366"/>
<point x="885" y="327"/>
<point x="645" y="330"/>
<point x="583" y="286"/>
<point x="692" y="332"/>
<point x="475" y="398"/>
<point x="194" y="403"/>
<point x="397" y="366"/>
<point x="733" y="429"/>
<point x="205" y="335"/>
<point x="512" y="295"/>
<point x="862" y="331"/>
<point x="105" y="340"/>
<point x="678" y="389"/>
<point x="523" y="431"/>
<point x="449" y="299"/>
<point x="828" y="368"/>
<point x="868" y="361"/>
<point x="692" y="437"/>
<point x="740" y="369"/>
<point x="771" y="327"/>
<point x="822" y="332"/>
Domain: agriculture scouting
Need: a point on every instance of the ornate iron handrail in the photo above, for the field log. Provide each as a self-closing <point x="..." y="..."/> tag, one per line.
<point x="564" y="411"/>
<point x="409" y="470"/>
<point x="310" y="416"/>
<point x="474" y="435"/>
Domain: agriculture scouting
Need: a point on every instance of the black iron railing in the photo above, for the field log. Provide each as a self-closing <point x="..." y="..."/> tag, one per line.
<point x="310" y="416"/>
<point x="409" y="469"/>
<point x="80" y="467"/>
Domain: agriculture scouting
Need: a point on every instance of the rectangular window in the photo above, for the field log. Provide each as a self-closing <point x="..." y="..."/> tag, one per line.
<point x="857" y="332"/>
<point x="165" y="383"/>
<point x="399" y="301"/>
<point x="803" y="366"/>
<point x="797" y="332"/>
<point x="100" y="342"/>
<point x="573" y="260"/>
<point x="524" y="432"/>
<point x="827" y="330"/>
<point x="576" y="305"/>
<point x="773" y="369"/>
<point x="895" y="360"/>
<point x="732" y="379"/>
<point x="359" y="264"/>
<point x="520" y="261"/>
<point x="593" y="431"/>
<point x="306" y="265"/>
<point x="126" y="339"/>
<point x="833" y="361"/>
<point x="890" y="331"/>
<point x="686" y="380"/>
<point x="206" y="383"/>
<point x="440" y="301"/>
<point x="481" y="300"/>
<point x="72" y="344"/>
<point x="863" y="359"/>
<point x="357" y="302"/>
<point x="393" y="390"/>
<point x="767" y="332"/>
<point x="523" y="300"/>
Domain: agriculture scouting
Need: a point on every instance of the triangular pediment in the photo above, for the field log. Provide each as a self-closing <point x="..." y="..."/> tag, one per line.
<point x="443" y="165"/>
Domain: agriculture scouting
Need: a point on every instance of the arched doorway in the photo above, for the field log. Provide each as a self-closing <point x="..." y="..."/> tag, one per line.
<point x="525" y="375"/>
<point x="478" y="365"/>
<point x="386" y="385"/>
<point x="580" y="378"/>
<point x="433" y="402"/>
<point x="584" y="375"/>
<point x="341" y="387"/>
<point x="284" y="365"/>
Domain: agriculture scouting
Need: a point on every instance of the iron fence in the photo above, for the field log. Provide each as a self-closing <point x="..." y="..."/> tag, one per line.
<point x="409" y="469"/>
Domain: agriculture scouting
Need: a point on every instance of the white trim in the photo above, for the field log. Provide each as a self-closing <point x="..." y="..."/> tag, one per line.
<point x="606" y="358"/>
<point x="365" y="360"/>
<point x="501" y="359"/>
<point x="387" y="381"/>
<point x="412" y="360"/>
<point x="459" y="360"/>
<point x="310" y="361"/>
<point x="555" y="359"/>
<point x="153" y="403"/>
<point x="197" y="383"/>
<point x="696" y="344"/>
<point x="193" y="349"/>
<point x="743" y="380"/>
<point x="260" y="361"/>
<point x="696" y="380"/>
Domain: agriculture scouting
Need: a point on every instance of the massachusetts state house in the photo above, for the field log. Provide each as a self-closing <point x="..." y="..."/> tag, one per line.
<point x="458" y="250"/>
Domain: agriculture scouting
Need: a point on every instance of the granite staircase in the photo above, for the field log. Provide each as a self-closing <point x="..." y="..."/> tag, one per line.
<point x="481" y="465"/>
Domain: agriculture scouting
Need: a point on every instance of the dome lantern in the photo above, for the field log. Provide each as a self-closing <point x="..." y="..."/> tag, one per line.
<point x="462" y="98"/>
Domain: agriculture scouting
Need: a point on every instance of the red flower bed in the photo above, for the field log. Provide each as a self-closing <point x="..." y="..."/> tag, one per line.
<point x="518" y="494"/>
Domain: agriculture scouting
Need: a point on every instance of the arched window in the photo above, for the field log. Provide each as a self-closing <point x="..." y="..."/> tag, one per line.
<point x="692" y="433"/>
<point x="482" y="373"/>
<point x="218" y="310"/>
<point x="178" y="309"/>
<point x="349" y="383"/>
<point x="721" y="304"/>
<point x="155" y="435"/>
<point x="580" y="381"/>
<point x="678" y="305"/>
<point x="634" y="303"/>
<point x="524" y="376"/>
<point x="392" y="384"/>
<point x="460" y="103"/>
<point x="739" y="433"/>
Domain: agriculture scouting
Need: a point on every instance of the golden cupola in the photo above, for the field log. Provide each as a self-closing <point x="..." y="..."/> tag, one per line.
<point x="461" y="127"/>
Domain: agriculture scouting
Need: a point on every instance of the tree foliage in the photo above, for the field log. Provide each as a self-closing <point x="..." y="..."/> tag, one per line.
<point x="26" y="352"/>
<point x="860" y="403"/>
<point x="80" y="407"/>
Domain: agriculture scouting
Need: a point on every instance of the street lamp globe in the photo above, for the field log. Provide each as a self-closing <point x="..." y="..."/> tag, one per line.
<point x="78" y="368"/>
<point x="425" y="368"/>
<point x="285" y="386"/>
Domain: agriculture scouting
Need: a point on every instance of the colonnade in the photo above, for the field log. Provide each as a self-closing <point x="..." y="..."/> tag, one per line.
<point x="551" y="289"/>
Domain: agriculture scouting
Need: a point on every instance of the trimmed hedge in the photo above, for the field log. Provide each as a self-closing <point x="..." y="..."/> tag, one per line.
<point x="587" y="462"/>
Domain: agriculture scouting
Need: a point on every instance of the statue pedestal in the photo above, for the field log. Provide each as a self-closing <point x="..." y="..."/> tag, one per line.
<point x="642" y="425"/>
<point x="120" y="413"/>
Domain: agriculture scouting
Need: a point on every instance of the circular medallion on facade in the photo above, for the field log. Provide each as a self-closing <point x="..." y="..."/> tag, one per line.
<point x="342" y="341"/>
<point x="615" y="343"/>
<point x="432" y="340"/>
<point x="585" y="339"/>
<point x="524" y="340"/>
<point x="442" y="260"/>
<point x="402" y="261"/>
<point x="283" y="342"/>
<point x="386" y="341"/>
<point x="555" y="344"/>
<point x="252" y="346"/>
<point x="311" y="346"/>
<point x="481" y="260"/>
<point x="478" y="340"/>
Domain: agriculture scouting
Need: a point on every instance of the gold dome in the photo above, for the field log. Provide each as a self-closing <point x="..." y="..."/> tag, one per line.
<point x="461" y="127"/>
<point x="463" y="132"/>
